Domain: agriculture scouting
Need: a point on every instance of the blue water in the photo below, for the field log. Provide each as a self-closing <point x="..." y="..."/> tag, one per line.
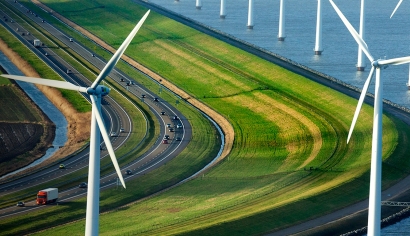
<point x="46" y="106"/>
<point x="385" y="37"/>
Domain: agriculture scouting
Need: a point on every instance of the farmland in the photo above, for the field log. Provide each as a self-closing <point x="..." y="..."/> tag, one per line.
<point x="25" y="132"/>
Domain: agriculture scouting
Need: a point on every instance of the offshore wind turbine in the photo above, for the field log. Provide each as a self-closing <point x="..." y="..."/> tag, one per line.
<point x="281" y="33"/>
<point x="360" y="59"/>
<point x="374" y="214"/>
<point x="394" y="11"/>
<point x="318" y="43"/>
<point x="96" y="91"/>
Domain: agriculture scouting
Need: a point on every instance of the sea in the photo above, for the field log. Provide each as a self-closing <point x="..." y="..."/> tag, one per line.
<point x="385" y="37"/>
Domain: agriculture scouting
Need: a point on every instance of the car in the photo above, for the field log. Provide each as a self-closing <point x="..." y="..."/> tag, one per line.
<point x="20" y="204"/>
<point x="62" y="166"/>
<point x="177" y="139"/>
<point x="179" y="126"/>
<point x="122" y="80"/>
<point x="175" y="117"/>
<point x="166" y="136"/>
<point x="165" y="141"/>
<point x="92" y="54"/>
<point x="128" y="83"/>
<point x="71" y="39"/>
<point x="156" y="100"/>
<point x="83" y="185"/>
<point x="143" y="96"/>
<point x="128" y="172"/>
<point x="171" y="130"/>
<point x="122" y="130"/>
<point x="162" y="112"/>
<point x="113" y="134"/>
<point x="169" y="125"/>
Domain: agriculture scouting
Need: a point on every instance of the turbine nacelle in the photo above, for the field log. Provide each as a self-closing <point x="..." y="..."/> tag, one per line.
<point x="99" y="90"/>
<point x="377" y="64"/>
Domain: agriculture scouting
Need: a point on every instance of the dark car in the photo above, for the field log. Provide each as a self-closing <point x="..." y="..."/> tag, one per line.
<point x="155" y="99"/>
<point x="166" y="136"/>
<point x="128" y="172"/>
<point x="175" y="117"/>
<point x="143" y="96"/>
<point x="171" y="129"/>
<point x="178" y="139"/>
<point x="83" y="185"/>
<point x="20" y="204"/>
<point x="162" y="112"/>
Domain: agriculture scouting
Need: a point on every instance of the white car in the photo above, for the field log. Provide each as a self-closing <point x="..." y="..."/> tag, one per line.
<point x="113" y="134"/>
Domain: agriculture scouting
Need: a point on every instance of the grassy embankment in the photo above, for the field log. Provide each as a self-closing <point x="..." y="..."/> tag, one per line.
<point x="284" y="124"/>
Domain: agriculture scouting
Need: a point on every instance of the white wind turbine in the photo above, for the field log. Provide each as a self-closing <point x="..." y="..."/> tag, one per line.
<point x="394" y="11"/>
<point x="95" y="91"/>
<point x="376" y="157"/>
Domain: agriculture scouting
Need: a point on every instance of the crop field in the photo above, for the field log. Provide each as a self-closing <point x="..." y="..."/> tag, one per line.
<point x="23" y="130"/>
<point x="290" y="161"/>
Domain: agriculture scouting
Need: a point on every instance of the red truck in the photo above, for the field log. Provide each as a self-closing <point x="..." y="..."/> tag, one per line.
<point x="47" y="196"/>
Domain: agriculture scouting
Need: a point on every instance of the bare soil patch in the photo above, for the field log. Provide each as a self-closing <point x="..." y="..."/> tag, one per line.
<point x="78" y="123"/>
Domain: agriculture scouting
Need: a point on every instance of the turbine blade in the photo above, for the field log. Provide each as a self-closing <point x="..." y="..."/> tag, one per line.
<point x="48" y="82"/>
<point x="395" y="9"/>
<point x="360" y="103"/>
<point x="353" y="32"/>
<point x="113" y="61"/>
<point x="106" y="139"/>
<point x="395" y="61"/>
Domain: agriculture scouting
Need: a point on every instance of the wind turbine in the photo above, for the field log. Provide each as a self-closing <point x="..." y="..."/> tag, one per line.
<point x="95" y="91"/>
<point x="376" y="157"/>
<point x="394" y="11"/>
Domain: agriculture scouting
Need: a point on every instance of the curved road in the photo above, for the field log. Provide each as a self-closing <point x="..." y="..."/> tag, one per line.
<point x="154" y="157"/>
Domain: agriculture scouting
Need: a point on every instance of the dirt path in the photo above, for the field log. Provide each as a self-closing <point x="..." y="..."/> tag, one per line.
<point x="78" y="123"/>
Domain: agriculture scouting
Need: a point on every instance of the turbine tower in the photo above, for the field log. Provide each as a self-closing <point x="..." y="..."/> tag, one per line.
<point x="198" y="4"/>
<point x="360" y="59"/>
<point x="250" y="15"/>
<point x="318" y="45"/>
<point x="96" y="91"/>
<point x="374" y="214"/>
<point x="281" y="34"/>
<point x="222" y="14"/>
<point x="394" y="11"/>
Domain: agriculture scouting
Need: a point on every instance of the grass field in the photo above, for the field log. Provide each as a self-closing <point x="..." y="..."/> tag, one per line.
<point x="290" y="160"/>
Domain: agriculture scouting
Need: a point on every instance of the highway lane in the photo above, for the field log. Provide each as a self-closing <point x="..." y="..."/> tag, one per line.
<point x="156" y="155"/>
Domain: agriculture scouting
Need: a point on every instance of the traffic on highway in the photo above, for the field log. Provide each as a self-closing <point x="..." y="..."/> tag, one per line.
<point x="175" y="130"/>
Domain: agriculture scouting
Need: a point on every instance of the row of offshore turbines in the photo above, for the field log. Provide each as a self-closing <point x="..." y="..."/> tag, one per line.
<point x="318" y="49"/>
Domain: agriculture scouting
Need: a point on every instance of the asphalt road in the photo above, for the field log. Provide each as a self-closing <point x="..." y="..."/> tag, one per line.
<point x="156" y="156"/>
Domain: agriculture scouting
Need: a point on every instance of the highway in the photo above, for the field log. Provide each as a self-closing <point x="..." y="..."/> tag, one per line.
<point x="156" y="156"/>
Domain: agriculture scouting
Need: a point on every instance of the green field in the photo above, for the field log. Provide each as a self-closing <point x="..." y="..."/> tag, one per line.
<point x="290" y="160"/>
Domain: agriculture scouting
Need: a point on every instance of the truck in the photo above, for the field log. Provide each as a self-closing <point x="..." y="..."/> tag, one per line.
<point x="48" y="195"/>
<point x="36" y="43"/>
